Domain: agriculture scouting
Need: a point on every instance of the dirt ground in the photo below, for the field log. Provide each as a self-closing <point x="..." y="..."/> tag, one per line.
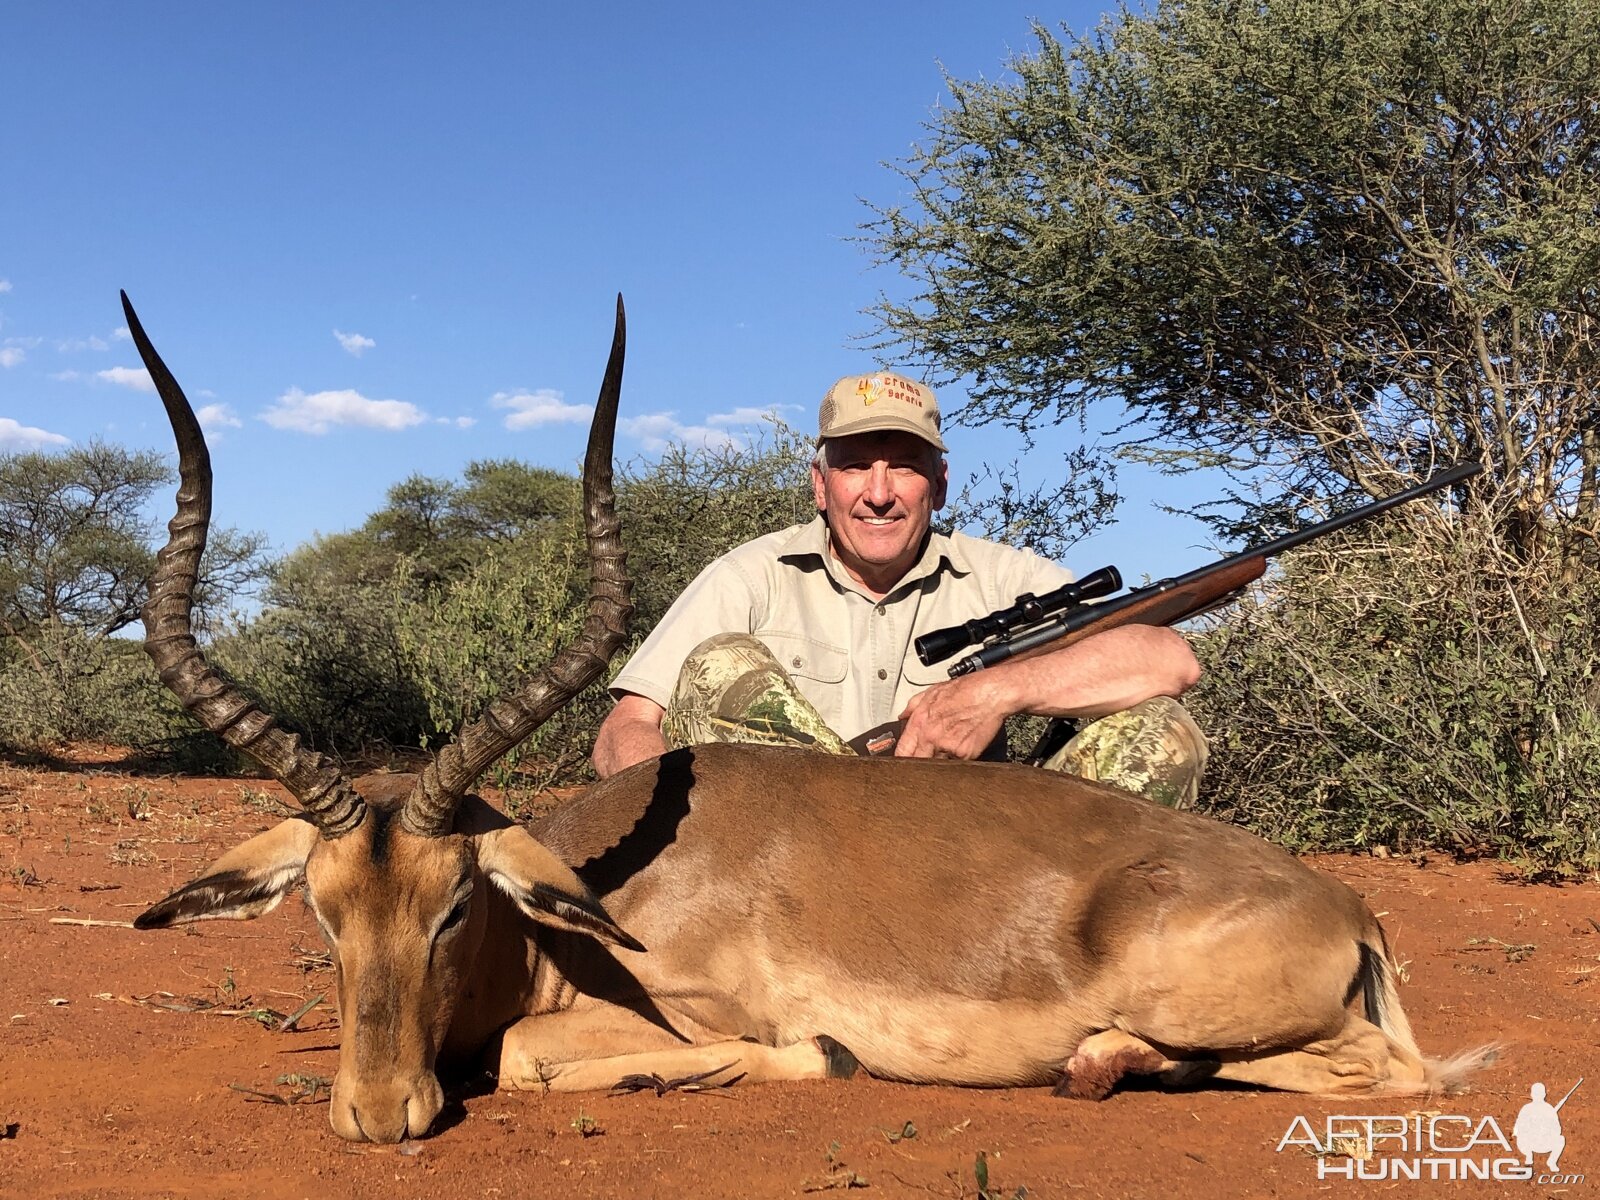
<point x="154" y="1064"/>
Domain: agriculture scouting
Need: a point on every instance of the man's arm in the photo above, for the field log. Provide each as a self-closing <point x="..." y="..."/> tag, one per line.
<point x="1103" y="674"/>
<point x="722" y="599"/>
<point x="631" y="734"/>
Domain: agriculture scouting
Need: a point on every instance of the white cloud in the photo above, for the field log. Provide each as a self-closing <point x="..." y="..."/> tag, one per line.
<point x="67" y="376"/>
<point x="320" y="411"/>
<point x="10" y="356"/>
<point x="217" y="416"/>
<point x="542" y="406"/>
<point x="354" y="343"/>
<point x="15" y="436"/>
<point x="753" y="416"/>
<point x="136" y="378"/>
<point x="5" y="285"/>
<point x="655" y="431"/>
<point x="76" y="345"/>
<point x="458" y="422"/>
<point x="121" y="334"/>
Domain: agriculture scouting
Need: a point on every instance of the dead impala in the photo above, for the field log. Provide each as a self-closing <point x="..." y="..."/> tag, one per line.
<point x="741" y="911"/>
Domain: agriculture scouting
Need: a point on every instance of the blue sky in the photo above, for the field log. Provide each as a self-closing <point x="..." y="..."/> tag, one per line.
<point x="376" y="240"/>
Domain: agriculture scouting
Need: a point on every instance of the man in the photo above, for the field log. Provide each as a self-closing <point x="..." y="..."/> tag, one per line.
<point x="803" y="637"/>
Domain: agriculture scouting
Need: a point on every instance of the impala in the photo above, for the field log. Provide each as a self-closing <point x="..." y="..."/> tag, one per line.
<point x="747" y="913"/>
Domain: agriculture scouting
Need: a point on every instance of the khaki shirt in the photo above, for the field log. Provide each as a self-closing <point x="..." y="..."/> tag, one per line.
<point x="849" y="655"/>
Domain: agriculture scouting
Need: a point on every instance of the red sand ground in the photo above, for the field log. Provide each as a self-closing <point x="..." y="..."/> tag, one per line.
<point x="121" y="1070"/>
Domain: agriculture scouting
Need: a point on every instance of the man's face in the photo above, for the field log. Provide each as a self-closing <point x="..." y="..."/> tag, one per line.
<point x="879" y="494"/>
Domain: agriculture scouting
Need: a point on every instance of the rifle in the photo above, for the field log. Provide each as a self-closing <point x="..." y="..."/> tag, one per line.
<point x="1034" y="625"/>
<point x="1568" y="1096"/>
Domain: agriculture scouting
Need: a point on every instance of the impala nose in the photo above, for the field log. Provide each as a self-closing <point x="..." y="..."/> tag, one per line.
<point x="385" y="1114"/>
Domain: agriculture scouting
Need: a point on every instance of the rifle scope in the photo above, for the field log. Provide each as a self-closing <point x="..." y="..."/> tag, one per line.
<point x="1027" y="609"/>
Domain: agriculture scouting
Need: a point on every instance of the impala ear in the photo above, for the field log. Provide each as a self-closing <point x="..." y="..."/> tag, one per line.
<point x="544" y="887"/>
<point x="245" y="882"/>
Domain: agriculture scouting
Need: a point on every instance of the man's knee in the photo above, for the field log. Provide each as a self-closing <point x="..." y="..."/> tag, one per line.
<point x="1153" y="749"/>
<point x="731" y="689"/>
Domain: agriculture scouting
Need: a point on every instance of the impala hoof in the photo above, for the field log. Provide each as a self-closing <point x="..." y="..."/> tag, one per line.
<point x="841" y="1064"/>
<point x="1193" y="1073"/>
<point x="1085" y="1083"/>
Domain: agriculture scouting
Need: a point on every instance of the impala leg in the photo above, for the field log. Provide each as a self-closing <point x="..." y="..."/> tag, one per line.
<point x="597" y="1049"/>
<point x="1357" y="1059"/>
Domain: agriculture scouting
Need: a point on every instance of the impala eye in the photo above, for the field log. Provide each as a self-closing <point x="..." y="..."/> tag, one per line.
<point x="457" y="915"/>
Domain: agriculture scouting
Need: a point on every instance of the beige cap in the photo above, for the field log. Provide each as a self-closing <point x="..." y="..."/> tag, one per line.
<point x="882" y="400"/>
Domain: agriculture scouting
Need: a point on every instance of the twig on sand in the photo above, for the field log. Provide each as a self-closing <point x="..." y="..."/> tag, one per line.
<point x="90" y="921"/>
<point x="307" y="1089"/>
<point x="269" y="1097"/>
<point x="293" y="1018"/>
<point x="167" y="1002"/>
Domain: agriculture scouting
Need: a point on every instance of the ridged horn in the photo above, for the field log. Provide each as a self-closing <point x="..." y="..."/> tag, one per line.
<point x="510" y="719"/>
<point x="314" y="780"/>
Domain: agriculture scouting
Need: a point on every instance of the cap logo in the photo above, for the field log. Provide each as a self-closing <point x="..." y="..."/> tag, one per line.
<point x="873" y="388"/>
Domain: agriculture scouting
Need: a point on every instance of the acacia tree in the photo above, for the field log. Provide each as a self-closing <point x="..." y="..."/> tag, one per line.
<point x="1340" y="240"/>
<point x="73" y="537"/>
<point x="75" y="541"/>
<point x="74" y="557"/>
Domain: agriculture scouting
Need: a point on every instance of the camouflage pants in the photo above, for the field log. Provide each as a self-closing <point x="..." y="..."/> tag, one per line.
<point x="731" y="689"/>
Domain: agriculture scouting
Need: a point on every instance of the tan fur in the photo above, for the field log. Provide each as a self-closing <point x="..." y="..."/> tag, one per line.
<point x="958" y="923"/>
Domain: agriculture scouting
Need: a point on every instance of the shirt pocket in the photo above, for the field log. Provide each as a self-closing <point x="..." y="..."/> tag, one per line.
<point x="807" y="658"/>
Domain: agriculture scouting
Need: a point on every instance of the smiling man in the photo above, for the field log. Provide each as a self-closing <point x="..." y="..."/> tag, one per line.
<point x="803" y="637"/>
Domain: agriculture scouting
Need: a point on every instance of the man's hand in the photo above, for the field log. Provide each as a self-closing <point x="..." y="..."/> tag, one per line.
<point x="1104" y="673"/>
<point x="957" y="719"/>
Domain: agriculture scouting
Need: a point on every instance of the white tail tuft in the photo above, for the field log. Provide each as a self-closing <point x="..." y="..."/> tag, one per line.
<point x="1447" y="1076"/>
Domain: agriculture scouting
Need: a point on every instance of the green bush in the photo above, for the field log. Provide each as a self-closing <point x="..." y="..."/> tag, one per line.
<point x="64" y="684"/>
<point x="1411" y="687"/>
<point x="326" y="660"/>
<point x="696" y="503"/>
<point x="473" y="638"/>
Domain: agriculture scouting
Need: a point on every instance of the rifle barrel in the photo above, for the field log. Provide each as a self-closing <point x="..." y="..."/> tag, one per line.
<point x="1299" y="537"/>
<point x="1568" y="1096"/>
<point x="1246" y="565"/>
<point x="1433" y="483"/>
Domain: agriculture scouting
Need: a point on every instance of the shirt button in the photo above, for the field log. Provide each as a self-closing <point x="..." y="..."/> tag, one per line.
<point x="882" y="674"/>
<point x="881" y="610"/>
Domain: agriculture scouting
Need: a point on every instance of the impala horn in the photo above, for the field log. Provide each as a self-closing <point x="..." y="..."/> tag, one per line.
<point x="508" y="720"/>
<point x="314" y="779"/>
